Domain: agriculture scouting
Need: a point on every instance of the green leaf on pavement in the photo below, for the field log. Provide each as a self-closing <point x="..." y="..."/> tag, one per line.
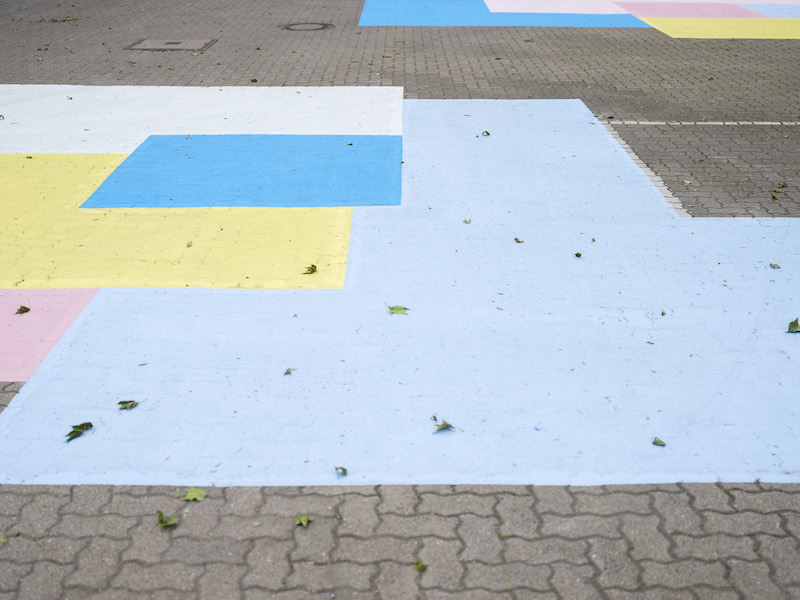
<point x="420" y="566"/>
<point x="166" y="521"/>
<point x="658" y="442"/>
<point x="127" y="404"/>
<point x="77" y="430"/>
<point x="303" y="520"/>
<point x="194" y="494"/>
<point x="399" y="310"/>
<point x="794" y="326"/>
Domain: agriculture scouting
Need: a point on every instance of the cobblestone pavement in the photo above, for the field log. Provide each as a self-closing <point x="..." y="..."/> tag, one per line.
<point x="516" y="542"/>
<point x="636" y="76"/>
<point x="715" y="120"/>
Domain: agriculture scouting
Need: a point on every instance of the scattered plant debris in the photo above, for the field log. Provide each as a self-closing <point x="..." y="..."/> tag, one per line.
<point x="22" y="310"/>
<point x="420" y="566"/>
<point x="127" y="404"/>
<point x="288" y="371"/>
<point x="467" y="221"/>
<point x="166" y="521"/>
<point x="310" y="269"/>
<point x="188" y="244"/>
<point x="194" y="494"/>
<point x="444" y="425"/>
<point x="253" y="80"/>
<point x="578" y="254"/>
<point x="303" y="520"/>
<point x="77" y="430"/>
<point x="485" y="133"/>
<point x="774" y="266"/>
<point x="519" y="241"/>
<point x="341" y="470"/>
<point x="794" y="326"/>
<point x="658" y="442"/>
<point x="398" y="310"/>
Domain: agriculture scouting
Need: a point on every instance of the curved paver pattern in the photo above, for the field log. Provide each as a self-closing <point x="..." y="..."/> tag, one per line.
<point x="637" y="541"/>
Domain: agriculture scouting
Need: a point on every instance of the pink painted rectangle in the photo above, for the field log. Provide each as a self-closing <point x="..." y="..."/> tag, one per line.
<point x="27" y="338"/>
<point x="575" y="7"/>
<point x="688" y="10"/>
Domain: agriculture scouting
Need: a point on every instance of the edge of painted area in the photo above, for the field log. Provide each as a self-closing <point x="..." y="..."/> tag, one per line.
<point x="752" y="29"/>
<point x="474" y="13"/>
<point x="55" y="118"/>
<point x="28" y="338"/>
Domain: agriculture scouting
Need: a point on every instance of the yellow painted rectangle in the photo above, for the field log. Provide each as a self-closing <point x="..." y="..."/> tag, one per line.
<point x="49" y="242"/>
<point x="771" y="29"/>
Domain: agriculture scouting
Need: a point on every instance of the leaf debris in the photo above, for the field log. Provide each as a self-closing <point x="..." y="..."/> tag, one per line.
<point x="443" y="426"/>
<point x="420" y="566"/>
<point x="22" y="310"/>
<point x="519" y="241"/>
<point x="195" y="494"/>
<point x="127" y="404"/>
<point x="794" y="326"/>
<point x="166" y="521"/>
<point x="658" y="442"/>
<point x="77" y="430"/>
<point x="398" y="310"/>
<point x="303" y="520"/>
<point x="774" y="266"/>
<point x="341" y="471"/>
<point x="310" y="269"/>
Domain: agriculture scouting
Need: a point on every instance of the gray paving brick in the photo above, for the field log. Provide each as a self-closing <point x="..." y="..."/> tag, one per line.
<point x="507" y="576"/>
<point x="705" y="496"/>
<point x="208" y="550"/>
<point x="373" y="549"/>
<point x="677" y="512"/>
<point x="683" y="574"/>
<point x="418" y="526"/>
<point x="151" y="578"/>
<point x="221" y="581"/>
<point x="645" y="538"/>
<point x="269" y="564"/>
<point x="766" y="502"/>
<point x="456" y="504"/>
<point x="752" y="580"/>
<point x="359" y="515"/>
<point x="742" y="523"/>
<point x="517" y="516"/>
<point x="445" y="568"/>
<point x="315" y="542"/>
<point x="580" y="526"/>
<point x="611" y="560"/>
<point x="783" y="556"/>
<point x="43" y="581"/>
<point x="546" y="551"/>
<point x="613" y="503"/>
<point x="714" y="547"/>
<point x="97" y="563"/>
<point x="572" y="581"/>
<point x="555" y="499"/>
<point x="398" y="499"/>
<point x="481" y="538"/>
<point x="316" y="578"/>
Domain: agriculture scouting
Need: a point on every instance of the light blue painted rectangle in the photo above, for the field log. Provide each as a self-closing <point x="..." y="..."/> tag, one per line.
<point x="776" y="11"/>
<point x="475" y="13"/>
<point x="169" y="171"/>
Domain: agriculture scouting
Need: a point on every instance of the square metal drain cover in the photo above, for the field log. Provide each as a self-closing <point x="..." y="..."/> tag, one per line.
<point x="195" y="44"/>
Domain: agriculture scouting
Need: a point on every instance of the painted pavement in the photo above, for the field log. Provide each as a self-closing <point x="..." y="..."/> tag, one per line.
<point x="681" y="19"/>
<point x="560" y="315"/>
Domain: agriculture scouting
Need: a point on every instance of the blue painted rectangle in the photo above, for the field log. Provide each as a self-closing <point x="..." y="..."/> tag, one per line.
<point x="475" y="13"/>
<point x="168" y="171"/>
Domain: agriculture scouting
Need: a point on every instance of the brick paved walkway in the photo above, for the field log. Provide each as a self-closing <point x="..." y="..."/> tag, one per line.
<point x="675" y="541"/>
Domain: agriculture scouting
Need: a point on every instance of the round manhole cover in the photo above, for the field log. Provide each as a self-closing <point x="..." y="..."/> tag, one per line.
<point x="307" y="26"/>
